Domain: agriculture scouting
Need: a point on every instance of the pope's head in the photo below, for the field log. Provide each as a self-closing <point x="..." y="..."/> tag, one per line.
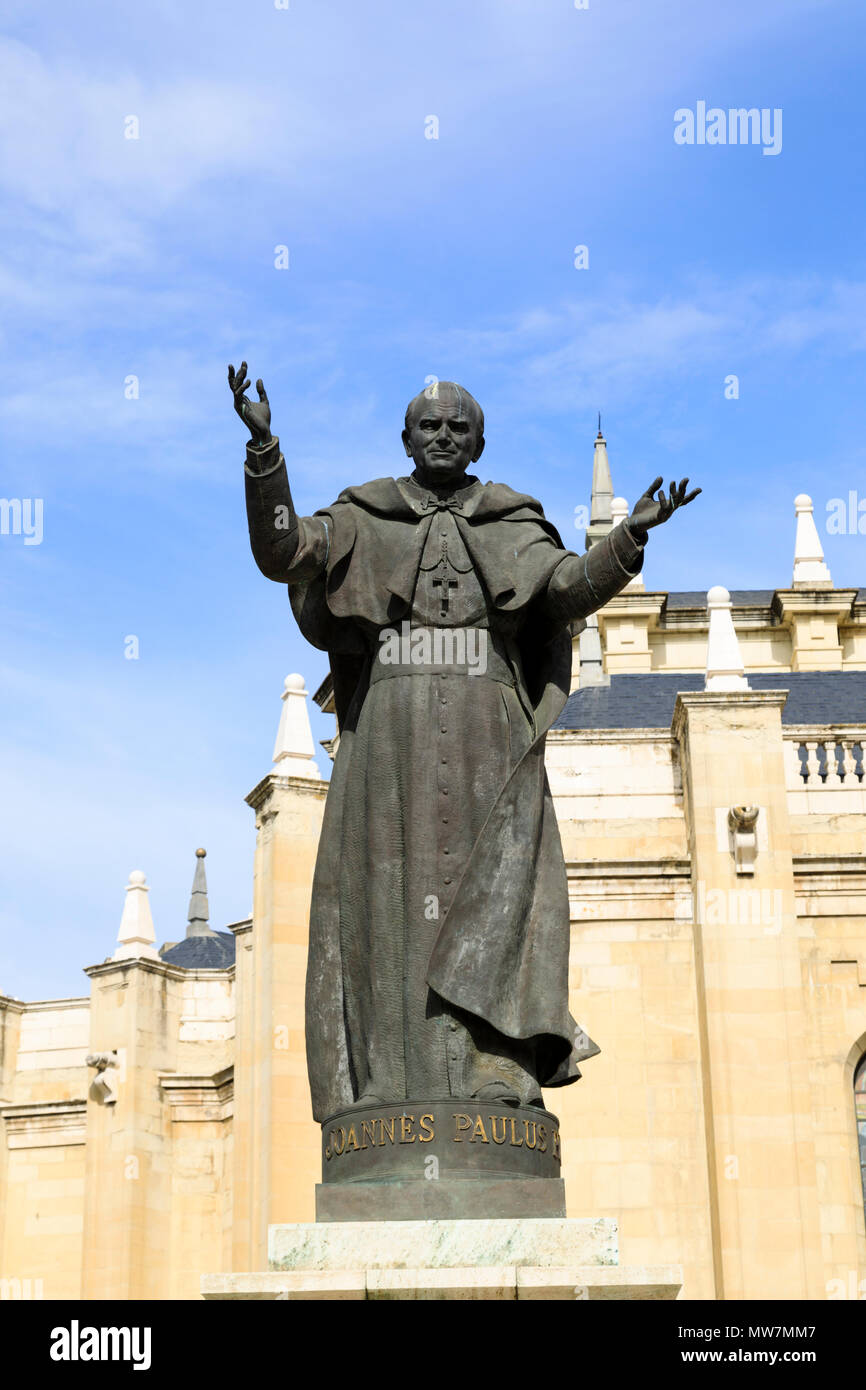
<point x="444" y="432"/>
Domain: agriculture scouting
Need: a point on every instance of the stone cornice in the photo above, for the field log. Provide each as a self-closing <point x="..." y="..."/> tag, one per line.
<point x="654" y="735"/>
<point x="45" y="1124"/>
<point x="695" y="618"/>
<point x="830" y="865"/>
<point x="722" y="699"/>
<point x="45" y="1005"/>
<point x="324" y="696"/>
<point x="240" y="928"/>
<point x="123" y="967"/>
<point x="275" y="782"/>
<point x="787" y="602"/>
<point x="606" y="869"/>
<point x="664" y="734"/>
<point x="823" y="731"/>
<point x="199" y="1098"/>
<point x="633" y="602"/>
<point x="157" y="967"/>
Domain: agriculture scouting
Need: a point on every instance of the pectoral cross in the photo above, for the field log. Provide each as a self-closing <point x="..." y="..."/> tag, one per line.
<point x="443" y="582"/>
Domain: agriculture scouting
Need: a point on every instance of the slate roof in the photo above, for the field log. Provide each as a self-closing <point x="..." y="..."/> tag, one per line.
<point x="203" y="952"/>
<point x="740" y="598"/>
<point x="647" y="701"/>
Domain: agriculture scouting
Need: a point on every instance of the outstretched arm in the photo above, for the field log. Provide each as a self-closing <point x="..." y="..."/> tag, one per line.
<point x="286" y="547"/>
<point x="582" y="584"/>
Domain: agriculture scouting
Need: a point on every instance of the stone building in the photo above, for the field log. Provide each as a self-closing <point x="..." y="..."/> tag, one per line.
<point x="708" y="774"/>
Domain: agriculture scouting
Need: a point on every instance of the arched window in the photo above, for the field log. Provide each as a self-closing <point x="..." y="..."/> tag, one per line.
<point x="860" y="1110"/>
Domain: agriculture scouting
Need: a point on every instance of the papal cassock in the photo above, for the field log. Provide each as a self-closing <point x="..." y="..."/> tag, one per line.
<point x="439" y="927"/>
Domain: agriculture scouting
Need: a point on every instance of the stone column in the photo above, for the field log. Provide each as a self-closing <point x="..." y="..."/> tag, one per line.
<point x="244" y="1125"/>
<point x="277" y="1143"/>
<point x="760" y="1144"/>
<point x="134" y="1012"/>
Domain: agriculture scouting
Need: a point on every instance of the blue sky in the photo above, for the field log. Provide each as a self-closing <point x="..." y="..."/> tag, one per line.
<point x="409" y="257"/>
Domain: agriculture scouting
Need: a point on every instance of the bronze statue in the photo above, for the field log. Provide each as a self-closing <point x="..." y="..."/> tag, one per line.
<point x="439" y="929"/>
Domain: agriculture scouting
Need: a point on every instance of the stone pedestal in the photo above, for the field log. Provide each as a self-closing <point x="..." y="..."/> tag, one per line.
<point x="543" y="1258"/>
<point x="444" y="1199"/>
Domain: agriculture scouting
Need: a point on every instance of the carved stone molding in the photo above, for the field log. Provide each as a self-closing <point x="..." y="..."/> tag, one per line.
<point x="45" y="1125"/>
<point x="199" y="1098"/>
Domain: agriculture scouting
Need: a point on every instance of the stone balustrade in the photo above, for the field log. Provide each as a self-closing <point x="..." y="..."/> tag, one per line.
<point x="821" y="762"/>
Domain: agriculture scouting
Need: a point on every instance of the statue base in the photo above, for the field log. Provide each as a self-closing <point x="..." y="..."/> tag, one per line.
<point x="443" y="1199"/>
<point x="442" y="1159"/>
<point x="479" y="1259"/>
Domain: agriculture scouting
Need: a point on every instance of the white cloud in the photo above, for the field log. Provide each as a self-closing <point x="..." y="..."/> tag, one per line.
<point x="628" y="343"/>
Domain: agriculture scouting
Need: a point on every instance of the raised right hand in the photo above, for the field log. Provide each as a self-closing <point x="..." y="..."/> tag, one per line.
<point x="256" y="417"/>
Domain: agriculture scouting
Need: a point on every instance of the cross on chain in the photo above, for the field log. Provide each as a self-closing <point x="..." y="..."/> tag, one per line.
<point x="443" y="582"/>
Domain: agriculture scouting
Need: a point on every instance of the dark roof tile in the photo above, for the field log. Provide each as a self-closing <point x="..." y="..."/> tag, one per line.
<point x="203" y="952"/>
<point x="740" y="598"/>
<point x="647" y="701"/>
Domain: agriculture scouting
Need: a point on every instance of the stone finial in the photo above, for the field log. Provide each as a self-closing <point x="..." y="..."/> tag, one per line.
<point x="810" y="572"/>
<point x="725" y="669"/>
<point x="619" y="510"/>
<point x="136" y="938"/>
<point x="293" y="750"/>
<point x="197" y="916"/>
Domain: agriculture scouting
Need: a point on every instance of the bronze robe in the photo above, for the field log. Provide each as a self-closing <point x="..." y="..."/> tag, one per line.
<point x="439" y="925"/>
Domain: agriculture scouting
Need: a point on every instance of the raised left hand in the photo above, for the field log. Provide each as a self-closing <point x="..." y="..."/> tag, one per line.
<point x="651" y="511"/>
<point x="256" y="416"/>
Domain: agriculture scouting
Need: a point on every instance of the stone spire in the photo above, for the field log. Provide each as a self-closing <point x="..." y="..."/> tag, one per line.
<point x="810" y="572"/>
<point x="600" y="520"/>
<point x="293" y="750"/>
<point x="600" y="524"/>
<point x="136" y="939"/>
<point x="725" y="669"/>
<point x="197" y="916"/>
<point x="619" y="510"/>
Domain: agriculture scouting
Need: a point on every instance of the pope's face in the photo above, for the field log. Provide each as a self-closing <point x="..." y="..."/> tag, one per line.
<point x="442" y="438"/>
